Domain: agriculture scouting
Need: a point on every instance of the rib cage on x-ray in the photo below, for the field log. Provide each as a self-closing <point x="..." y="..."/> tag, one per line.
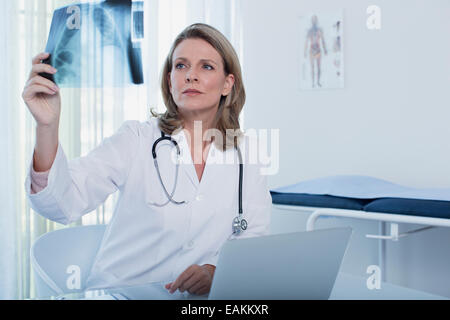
<point x="97" y="44"/>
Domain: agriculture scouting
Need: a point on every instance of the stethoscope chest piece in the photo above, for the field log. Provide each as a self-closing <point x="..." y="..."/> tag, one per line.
<point x="239" y="225"/>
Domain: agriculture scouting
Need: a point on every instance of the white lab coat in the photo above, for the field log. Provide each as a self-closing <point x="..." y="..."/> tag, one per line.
<point x="144" y="243"/>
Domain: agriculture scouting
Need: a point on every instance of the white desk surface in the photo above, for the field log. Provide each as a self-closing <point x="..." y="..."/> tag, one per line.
<point x="349" y="287"/>
<point x="346" y="287"/>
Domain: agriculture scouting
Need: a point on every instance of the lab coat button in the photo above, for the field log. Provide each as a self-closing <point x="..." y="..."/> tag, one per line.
<point x="199" y="197"/>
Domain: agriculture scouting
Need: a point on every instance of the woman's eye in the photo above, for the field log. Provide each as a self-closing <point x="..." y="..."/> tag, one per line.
<point x="179" y="66"/>
<point x="208" y="67"/>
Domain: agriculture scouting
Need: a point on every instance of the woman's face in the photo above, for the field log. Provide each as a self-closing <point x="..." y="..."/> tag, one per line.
<point x="197" y="80"/>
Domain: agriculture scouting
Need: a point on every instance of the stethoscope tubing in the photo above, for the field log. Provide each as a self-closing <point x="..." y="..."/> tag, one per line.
<point x="237" y="221"/>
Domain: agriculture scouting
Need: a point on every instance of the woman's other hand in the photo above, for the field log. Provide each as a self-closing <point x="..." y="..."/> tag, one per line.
<point x="195" y="279"/>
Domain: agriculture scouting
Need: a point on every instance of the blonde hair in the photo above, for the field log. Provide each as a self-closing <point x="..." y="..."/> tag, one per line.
<point x="230" y="107"/>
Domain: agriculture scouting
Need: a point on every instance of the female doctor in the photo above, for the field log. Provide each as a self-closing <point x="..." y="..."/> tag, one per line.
<point x="174" y="212"/>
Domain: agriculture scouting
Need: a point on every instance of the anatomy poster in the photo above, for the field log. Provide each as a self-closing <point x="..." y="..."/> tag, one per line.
<point x="97" y="44"/>
<point x="321" y="51"/>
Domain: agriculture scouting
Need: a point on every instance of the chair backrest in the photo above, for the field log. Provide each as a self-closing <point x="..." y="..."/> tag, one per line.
<point x="61" y="257"/>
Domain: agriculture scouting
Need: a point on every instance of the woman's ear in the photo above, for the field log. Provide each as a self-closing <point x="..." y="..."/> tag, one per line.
<point x="229" y="83"/>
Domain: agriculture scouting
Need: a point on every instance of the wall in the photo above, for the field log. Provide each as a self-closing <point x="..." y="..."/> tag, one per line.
<point x="390" y="121"/>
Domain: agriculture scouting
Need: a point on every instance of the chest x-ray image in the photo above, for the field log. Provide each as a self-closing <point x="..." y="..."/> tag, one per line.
<point x="97" y="44"/>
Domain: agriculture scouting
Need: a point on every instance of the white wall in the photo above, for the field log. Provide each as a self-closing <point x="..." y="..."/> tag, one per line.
<point x="391" y="120"/>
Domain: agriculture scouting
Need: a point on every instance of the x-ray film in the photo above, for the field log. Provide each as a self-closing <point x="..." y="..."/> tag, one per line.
<point x="97" y="44"/>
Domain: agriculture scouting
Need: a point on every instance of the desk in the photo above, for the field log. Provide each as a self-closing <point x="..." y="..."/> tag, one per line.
<point x="149" y="291"/>
<point x="346" y="287"/>
<point x="349" y="287"/>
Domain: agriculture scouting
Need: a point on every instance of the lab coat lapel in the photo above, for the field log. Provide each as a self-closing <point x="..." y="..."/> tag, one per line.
<point x="186" y="166"/>
<point x="211" y="168"/>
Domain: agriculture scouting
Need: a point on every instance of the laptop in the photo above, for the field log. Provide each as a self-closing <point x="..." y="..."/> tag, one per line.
<point x="293" y="266"/>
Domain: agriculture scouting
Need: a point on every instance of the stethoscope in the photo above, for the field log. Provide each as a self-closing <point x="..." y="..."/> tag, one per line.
<point x="239" y="223"/>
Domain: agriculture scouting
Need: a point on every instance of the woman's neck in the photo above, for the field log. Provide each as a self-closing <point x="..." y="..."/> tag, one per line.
<point x="195" y="133"/>
<point x="196" y="125"/>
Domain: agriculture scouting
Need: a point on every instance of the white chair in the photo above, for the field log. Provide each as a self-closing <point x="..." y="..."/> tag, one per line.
<point x="54" y="255"/>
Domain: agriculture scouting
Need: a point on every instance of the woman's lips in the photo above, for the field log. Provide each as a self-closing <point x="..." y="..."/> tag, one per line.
<point x="192" y="93"/>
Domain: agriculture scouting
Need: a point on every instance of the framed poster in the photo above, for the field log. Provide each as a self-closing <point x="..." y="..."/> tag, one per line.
<point x="321" y="51"/>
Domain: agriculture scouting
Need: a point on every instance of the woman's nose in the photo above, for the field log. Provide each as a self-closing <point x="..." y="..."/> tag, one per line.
<point x="191" y="77"/>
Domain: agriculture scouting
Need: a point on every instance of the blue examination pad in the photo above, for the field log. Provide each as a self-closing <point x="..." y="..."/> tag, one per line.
<point x="309" y="200"/>
<point x="366" y="194"/>
<point x="363" y="187"/>
<point x="411" y="207"/>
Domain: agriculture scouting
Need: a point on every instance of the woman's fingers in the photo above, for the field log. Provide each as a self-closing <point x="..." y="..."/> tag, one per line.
<point x="38" y="66"/>
<point x="43" y="82"/>
<point x="33" y="90"/>
<point x="37" y="85"/>
<point x="41" y="68"/>
<point x="41" y="56"/>
<point x="191" y="282"/>
<point x="40" y="94"/>
<point x="195" y="280"/>
<point x="181" y="279"/>
<point x="198" y="288"/>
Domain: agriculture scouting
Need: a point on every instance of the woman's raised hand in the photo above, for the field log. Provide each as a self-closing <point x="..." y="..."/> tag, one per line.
<point x="41" y="95"/>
